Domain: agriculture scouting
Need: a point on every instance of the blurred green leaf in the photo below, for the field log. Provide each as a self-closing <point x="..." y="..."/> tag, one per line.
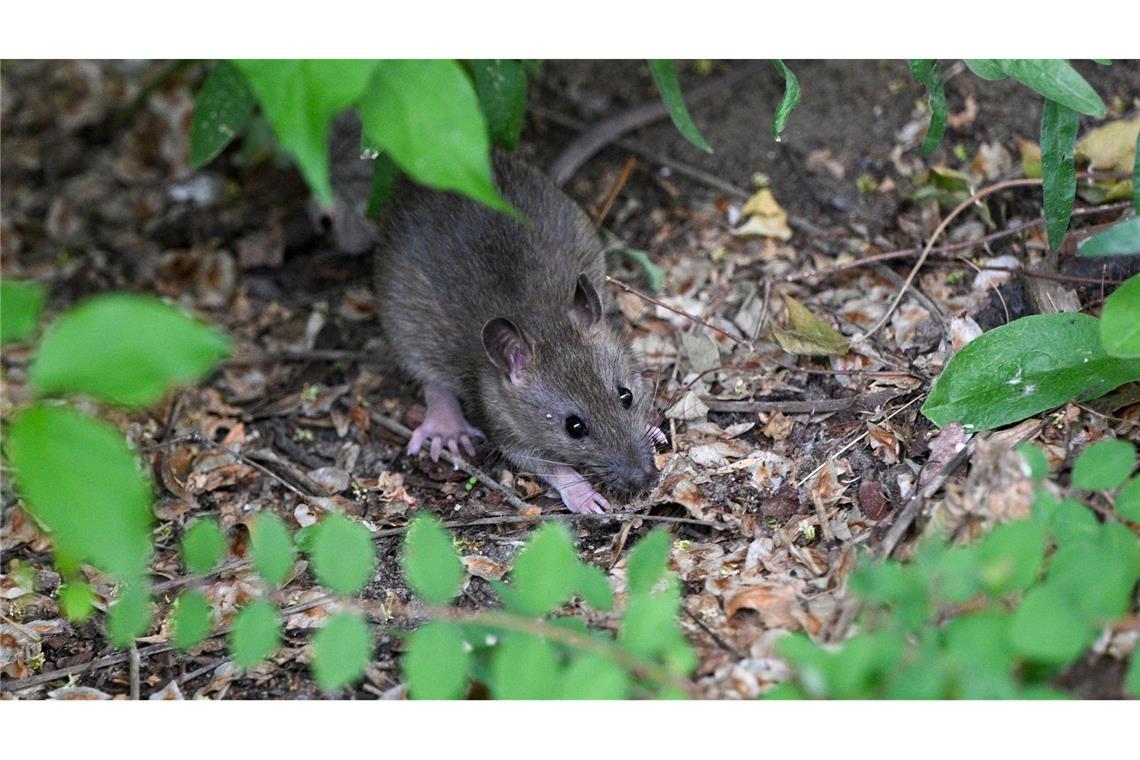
<point x="594" y="587"/>
<point x="191" y="619"/>
<point x="665" y="77"/>
<point x="125" y="348"/>
<point x="342" y="554"/>
<point x="654" y="275"/>
<point x="959" y="573"/>
<point x="1011" y="555"/>
<point x="20" y="306"/>
<point x="1035" y="459"/>
<point x="501" y="87"/>
<point x="342" y="649"/>
<point x="987" y="68"/>
<point x="78" y="478"/>
<point x="202" y="546"/>
<point x="1132" y="676"/>
<point x="593" y="676"/>
<point x="1025" y="367"/>
<point x="546" y="571"/>
<point x="1075" y="524"/>
<point x="1128" y="500"/>
<point x="425" y="115"/>
<point x="437" y="662"/>
<point x="647" y="561"/>
<point x="431" y="564"/>
<point x="788" y="102"/>
<point x="222" y="109"/>
<point x="1098" y="577"/>
<point x="1121" y="239"/>
<point x="129" y="617"/>
<point x="1058" y="173"/>
<point x="272" y="548"/>
<point x="927" y="72"/>
<point x="525" y="667"/>
<point x="75" y="600"/>
<point x="1120" y="320"/>
<point x="1047" y="628"/>
<point x="1103" y="465"/>
<point x="1054" y="78"/>
<point x="385" y="176"/>
<point x="256" y="633"/>
<point x="300" y="98"/>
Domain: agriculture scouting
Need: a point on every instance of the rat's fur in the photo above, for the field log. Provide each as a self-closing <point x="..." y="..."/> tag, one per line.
<point x="448" y="266"/>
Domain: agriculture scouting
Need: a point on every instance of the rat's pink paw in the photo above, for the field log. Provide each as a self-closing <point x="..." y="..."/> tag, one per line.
<point x="577" y="493"/>
<point x="658" y="435"/>
<point x="444" y="430"/>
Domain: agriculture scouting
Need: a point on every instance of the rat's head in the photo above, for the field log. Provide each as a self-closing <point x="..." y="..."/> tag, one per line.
<point x="571" y="394"/>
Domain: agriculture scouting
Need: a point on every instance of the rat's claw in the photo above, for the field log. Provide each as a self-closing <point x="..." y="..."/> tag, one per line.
<point x="658" y="435"/>
<point x="436" y="447"/>
<point x="467" y="445"/>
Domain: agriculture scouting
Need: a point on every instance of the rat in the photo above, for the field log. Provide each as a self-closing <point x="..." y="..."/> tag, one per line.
<point x="506" y="317"/>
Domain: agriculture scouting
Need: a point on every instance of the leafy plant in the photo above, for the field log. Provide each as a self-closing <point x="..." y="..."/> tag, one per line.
<point x="995" y="619"/>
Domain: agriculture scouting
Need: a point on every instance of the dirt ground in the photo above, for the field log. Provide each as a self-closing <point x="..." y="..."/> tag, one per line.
<point x="97" y="195"/>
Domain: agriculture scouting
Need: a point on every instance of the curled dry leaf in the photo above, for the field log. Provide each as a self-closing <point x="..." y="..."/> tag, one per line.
<point x="807" y="334"/>
<point x="884" y="443"/>
<point x="690" y="407"/>
<point x="779" y="426"/>
<point x="773" y="601"/>
<point x="483" y="567"/>
<point x="765" y="218"/>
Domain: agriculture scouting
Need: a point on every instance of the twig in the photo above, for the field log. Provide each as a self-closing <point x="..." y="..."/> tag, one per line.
<point x="614" y="191"/>
<point x="868" y="401"/>
<point x="316" y="355"/>
<point x="679" y="312"/>
<point x="133" y="670"/>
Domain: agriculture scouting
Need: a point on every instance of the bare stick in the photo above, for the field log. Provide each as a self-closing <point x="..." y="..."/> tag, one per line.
<point x="868" y="401"/>
<point x="679" y="312"/>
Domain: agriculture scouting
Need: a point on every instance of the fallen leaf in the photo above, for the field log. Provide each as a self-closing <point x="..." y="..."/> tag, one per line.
<point x="765" y="218"/>
<point x="807" y="334"/>
<point x="483" y="567"/>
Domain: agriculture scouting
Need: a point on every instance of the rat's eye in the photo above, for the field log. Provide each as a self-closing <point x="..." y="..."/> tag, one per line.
<point x="625" y="395"/>
<point x="575" y="427"/>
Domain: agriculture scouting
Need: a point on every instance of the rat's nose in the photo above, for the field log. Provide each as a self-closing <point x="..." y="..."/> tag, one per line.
<point x="639" y="475"/>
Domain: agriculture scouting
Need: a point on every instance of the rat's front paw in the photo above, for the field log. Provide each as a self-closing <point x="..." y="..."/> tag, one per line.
<point x="576" y="492"/>
<point x="444" y="431"/>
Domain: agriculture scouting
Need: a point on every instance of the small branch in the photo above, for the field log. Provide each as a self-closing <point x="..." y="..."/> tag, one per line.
<point x="315" y="355"/>
<point x="614" y="191"/>
<point x="133" y="670"/>
<point x="867" y="401"/>
<point x="656" y="302"/>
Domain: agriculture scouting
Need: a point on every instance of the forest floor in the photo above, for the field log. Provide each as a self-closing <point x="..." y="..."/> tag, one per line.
<point x="780" y="468"/>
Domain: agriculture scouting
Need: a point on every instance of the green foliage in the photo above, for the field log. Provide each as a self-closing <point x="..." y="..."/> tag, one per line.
<point x="129" y="617"/>
<point x="1132" y="677"/>
<point x="1025" y="367"/>
<point x="516" y="657"/>
<point x="1035" y="459"/>
<point x="75" y="600"/>
<point x="1120" y="320"/>
<point x="1128" y="500"/>
<point x="431" y="564"/>
<point x="927" y="72"/>
<point x="342" y="553"/>
<point x="501" y="87"/>
<point x="1055" y="79"/>
<point x="665" y="77"/>
<point x="124" y="348"/>
<point x="202" y="546"/>
<point x="1121" y="239"/>
<point x="221" y="111"/>
<point x="20" y="306"/>
<point x="788" y="102"/>
<point x="341" y="650"/>
<point x="191" y="620"/>
<point x="996" y="619"/>
<point x="1058" y="172"/>
<point x="256" y="633"/>
<point x="1103" y="465"/>
<point x="273" y="553"/>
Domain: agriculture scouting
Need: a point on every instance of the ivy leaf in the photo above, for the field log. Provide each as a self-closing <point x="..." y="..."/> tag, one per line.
<point x="1058" y="174"/>
<point x="342" y="554"/>
<point x="431" y="564"/>
<point x="501" y="87"/>
<point x="665" y="77"/>
<point x="256" y="633"/>
<point x="437" y="663"/>
<point x="300" y="98"/>
<point x="1121" y="239"/>
<point x="202" y="546"/>
<point x="222" y="109"/>
<point x="125" y="348"/>
<point x="1025" y="367"/>
<point x="341" y="650"/>
<point x="788" y="102"/>
<point x="272" y="546"/>
<point x="20" y="307"/>
<point x="191" y="620"/>
<point x="647" y="561"/>
<point x="425" y="115"/>
<point x="927" y="72"/>
<point x="1104" y="465"/>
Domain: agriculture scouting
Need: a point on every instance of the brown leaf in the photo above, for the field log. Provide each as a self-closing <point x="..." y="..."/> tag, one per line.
<point x="807" y="334"/>
<point x="773" y="601"/>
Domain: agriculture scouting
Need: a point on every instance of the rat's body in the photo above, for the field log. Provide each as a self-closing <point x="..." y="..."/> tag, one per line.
<point x="507" y="317"/>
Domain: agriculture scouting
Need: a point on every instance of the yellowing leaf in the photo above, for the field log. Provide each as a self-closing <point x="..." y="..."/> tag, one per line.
<point x="766" y="218"/>
<point x="1111" y="148"/>
<point x="1030" y="158"/>
<point x="807" y="334"/>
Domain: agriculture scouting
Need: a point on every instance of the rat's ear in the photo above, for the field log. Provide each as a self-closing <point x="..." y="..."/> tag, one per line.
<point x="506" y="347"/>
<point x="587" y="309"/>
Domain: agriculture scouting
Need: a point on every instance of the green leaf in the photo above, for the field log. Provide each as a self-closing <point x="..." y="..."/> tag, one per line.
<point x="425" y="115"/>
<point x="1011" y="556"/>
<point x="665" y="77"/>
<point x="191" y="620"/>
<point x="525" y="667"/>
<point x="1058" y="174"/>
<point x="1128" y="500"/>
<point x="1136" y="175"/>
<point x="437" y="663"/>
<point x="1104" y="465"/>
<point x="20" y="306"/>
<point x="1035" y="459"/>
<point x="125" y="348"/>
<point x="385" y="175"/>
<point x="1056" y="79"/>
<point x="1025" y="367"/>
<point x="987" y="68"/>
<point x="959" y="573"/>
<point x="1120" y="321"/>
<point x="273" y="553"/>
<point x="648" y="560"/>
<point x="1097" y="577"/>
<point x="593" y="676"/>
<point x="654" y="275"/>
<point x="501" y="87"/>
<point x="75" y="600"/>
<point x="342" y="649"/>
<point x="79" y="480"/>
<point x="129" y="617"/>
<point x="788" y="102"/>
<point x="1075" y="524"/>
<point x="431" y="564"/>
<point x="1121" y="239"/>
<point x="927" y="72"/>
<point x="648" y="627"/>
<point x="546" y="571"/>
<point x="256" y="633"/>
<point x="1132" y="677"/>
<point x="1046" y="627"/>
<point x="222" y="109"/>
<point x="202" y="546"/>
<point x="300" y="100"/>
<point x="342" y="554"/>
<point x="594" y="587"/>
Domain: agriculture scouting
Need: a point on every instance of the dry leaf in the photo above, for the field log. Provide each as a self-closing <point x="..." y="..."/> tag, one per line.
<point x="807" y="334"/>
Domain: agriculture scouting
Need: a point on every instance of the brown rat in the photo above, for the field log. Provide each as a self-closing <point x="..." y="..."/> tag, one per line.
<point x="508" y="317"/>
